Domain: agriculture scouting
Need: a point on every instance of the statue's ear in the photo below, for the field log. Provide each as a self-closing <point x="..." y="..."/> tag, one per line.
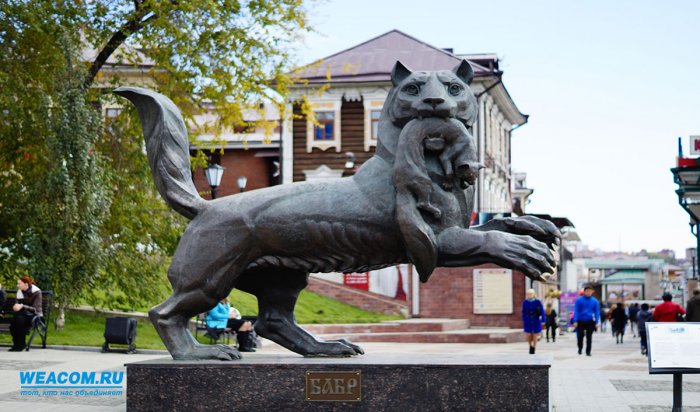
<point x="464" y="71"/>
<point x="399" y="72"/>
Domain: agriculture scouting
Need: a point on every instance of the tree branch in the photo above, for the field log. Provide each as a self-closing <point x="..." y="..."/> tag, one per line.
<point x="131" y="26"/>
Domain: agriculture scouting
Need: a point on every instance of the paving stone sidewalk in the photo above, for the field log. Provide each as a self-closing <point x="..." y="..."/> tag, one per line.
<point x="615" y="378"/>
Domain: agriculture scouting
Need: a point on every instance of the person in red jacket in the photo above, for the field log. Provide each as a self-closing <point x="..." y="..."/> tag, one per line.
<point x="668" y="311"/>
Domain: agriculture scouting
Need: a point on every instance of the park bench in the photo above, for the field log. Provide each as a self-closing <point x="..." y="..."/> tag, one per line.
<point x="39" y="323"/>
<point x="201" y="325"/>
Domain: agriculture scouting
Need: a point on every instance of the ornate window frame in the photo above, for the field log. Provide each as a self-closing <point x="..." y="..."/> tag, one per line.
<point x="370" y="107"/>
<point x="322" y="172"/>
<point x="311" y="142"/>
<point x="331" y="100"/>
<point x="372" y="101"/>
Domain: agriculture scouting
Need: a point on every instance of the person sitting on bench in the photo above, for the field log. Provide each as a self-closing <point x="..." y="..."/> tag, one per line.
<point x="224" y="316"/>
<point x="2" y="301"/>
<point x="243" y="329"/>
<point x="27" y="307"/>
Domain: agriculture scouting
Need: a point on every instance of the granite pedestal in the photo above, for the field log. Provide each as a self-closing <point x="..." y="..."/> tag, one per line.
<point x="264" y="382"/>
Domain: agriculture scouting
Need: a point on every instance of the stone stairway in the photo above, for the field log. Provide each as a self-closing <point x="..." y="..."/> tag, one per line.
<point x="418" y="331"/>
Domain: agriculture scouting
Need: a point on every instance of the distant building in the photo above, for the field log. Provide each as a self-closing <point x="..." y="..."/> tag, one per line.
<point x="250" y="151"/>
<point x="520" y="193"/>
<point x="625" y="279"/>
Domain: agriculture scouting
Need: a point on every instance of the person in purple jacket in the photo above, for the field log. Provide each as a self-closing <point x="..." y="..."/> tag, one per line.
<point x="586" y="318"/>
<point x="533" y="318"/>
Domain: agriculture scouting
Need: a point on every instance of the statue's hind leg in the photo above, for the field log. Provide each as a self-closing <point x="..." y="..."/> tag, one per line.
<point x="171" y="318"/>
<point x="277" y="291"/>
<point x="202" y="273"/>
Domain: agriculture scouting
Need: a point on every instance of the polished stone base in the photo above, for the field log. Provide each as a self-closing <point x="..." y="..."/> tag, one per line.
<point x="262" y="382"/>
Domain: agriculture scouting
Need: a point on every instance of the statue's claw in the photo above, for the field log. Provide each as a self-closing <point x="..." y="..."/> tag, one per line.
<point x="207" y="352"/>
<point x="334" y="348"/>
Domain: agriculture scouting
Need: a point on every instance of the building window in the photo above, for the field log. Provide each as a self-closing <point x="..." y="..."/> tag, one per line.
<point x="112" y="113"/>
<point x="324" y="129"/>
<point x="374" y="118"/>
<point x="373" y="111"/>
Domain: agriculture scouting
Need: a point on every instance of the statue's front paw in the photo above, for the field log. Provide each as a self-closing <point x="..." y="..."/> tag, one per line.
<point x="542" y="230"/>
<point x="210" y="352"/>
<point x="334" y="348"/>
<point x="429" y="208"/>
<point x="533" y="258"/>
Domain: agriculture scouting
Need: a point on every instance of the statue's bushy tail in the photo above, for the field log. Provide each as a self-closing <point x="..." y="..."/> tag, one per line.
<point x="167" y="148"/>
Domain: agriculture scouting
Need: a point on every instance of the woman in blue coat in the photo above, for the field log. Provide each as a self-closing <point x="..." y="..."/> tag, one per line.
<point x="217" y="318"/>
<point x="223" y="316"/>
<point x="533" y="318"/>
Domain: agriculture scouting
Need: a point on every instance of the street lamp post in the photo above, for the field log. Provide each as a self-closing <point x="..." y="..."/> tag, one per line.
<point x="693" y="256"/>
<point x="213" y="174"/>
<point x="687" y="176"/>
<point x="242" y="182"/>
<point x="350" y="160"/>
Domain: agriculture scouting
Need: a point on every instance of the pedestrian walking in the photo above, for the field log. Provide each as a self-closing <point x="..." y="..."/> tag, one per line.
<point x="533" y="318"/>
<point x="668" y="311"/>
<point x="551" y="323"/>
<point x="619" y="320"/>
<point x="633" y="311"/>
<point x="608" y="318"/>
<point x="693" y="311"/>
<point x="643" y="317"/>
<point x="604" y="310"/>
<point x="586" y="318"/>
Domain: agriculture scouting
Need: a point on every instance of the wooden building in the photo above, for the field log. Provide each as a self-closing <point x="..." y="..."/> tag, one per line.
<point x="355" y="83"/>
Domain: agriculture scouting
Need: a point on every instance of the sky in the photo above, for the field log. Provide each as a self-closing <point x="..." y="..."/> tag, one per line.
<point x="609" y="87"/>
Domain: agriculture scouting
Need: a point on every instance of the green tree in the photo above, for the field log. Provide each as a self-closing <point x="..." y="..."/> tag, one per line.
<point x="70" y="204"/>
<point x="219" y="55"/>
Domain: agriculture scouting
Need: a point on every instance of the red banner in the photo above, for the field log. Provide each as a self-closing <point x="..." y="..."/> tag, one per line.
<point x="688" y="162"/>
<point x="357" y="280"/>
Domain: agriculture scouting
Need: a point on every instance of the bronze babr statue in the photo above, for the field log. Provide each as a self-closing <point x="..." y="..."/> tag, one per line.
<point x="410" y="203"/>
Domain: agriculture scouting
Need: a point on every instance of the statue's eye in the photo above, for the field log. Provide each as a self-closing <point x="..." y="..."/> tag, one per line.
<point x="455" y="89"/>
<point x="412" y="89"/>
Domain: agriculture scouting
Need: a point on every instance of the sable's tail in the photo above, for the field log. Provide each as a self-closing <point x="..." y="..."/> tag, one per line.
<point x="410" y="165"/>
<point x="167" y="148"/>
<point x="418" y="237"/>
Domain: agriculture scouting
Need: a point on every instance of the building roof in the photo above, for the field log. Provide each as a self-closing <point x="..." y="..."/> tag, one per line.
<point x="559" y="222"/>
<point x="125" y="55"/>
<point x="374" y="59"/>
<point x="488" y="60"/>
<point x="625" y="277"/>
<point x="624" y="264"/>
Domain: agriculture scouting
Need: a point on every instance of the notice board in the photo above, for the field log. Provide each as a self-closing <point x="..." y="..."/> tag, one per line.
<point x="673" y="347"/>
<point x="493" y="291"/>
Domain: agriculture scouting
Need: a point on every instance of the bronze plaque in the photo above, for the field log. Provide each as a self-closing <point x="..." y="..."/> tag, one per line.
<point x="334" y="386"/>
